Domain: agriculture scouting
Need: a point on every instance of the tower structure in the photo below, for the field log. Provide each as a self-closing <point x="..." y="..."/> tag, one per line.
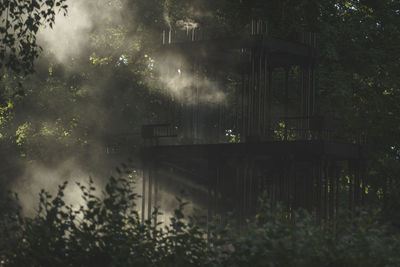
<point x="263" y="135"/>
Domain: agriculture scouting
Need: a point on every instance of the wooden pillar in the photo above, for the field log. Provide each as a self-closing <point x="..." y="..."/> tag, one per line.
<point x="326" y="184"/>
<point x="351" y="187"/>
<point x="243" y="115"/>
<point x="156" y="188"/>
<point x="144" y="173"/>
<point x="270" y="94"/>
<point x="363" y="180"/>
<point x="319" y="191"/>
<point x="286" y="101"/>
<point x="331" y="172"/>
<point x="149" y="198"/>
<point x="337" y="184"/>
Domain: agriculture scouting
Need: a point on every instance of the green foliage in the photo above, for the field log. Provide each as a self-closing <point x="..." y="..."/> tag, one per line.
<point x="104" y="91"/>
<point x="275" y="240"/>
<point x="108" y="231"/>
<point x="20" y="22"/>
<point x="101" y="232"/>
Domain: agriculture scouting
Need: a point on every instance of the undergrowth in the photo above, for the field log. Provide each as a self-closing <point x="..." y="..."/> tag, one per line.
<point x="108" y="231"/>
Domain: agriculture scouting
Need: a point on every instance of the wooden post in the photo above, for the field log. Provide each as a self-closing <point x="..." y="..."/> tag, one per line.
<point x="144" y="191"/>
<point x="149" y="207"/>
<point x="286" y="101"/>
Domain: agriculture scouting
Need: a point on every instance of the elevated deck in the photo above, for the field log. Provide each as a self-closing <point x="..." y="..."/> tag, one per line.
<point x="280" y="52"/>
<point x="240" y="42"/>
<point x="263" y="150"/>
<point x="232" y="176"/>
<point x="279" y="145"/>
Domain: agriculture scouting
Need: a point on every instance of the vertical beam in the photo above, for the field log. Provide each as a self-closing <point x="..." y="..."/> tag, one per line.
<point x="351" y="187"/>
<point x="244" y="189"/>
<point x="196" y="73"/>
<point x="288" y="181"/>
<point x="149" y="202"/>
<point x="237" y="193"/>
<point x="331" y="172"/>
<point x="244" y="107"/>
<point x="252" y="93"/>
<point x="192" y="99"/>
<point x="319" y="191"/>
<point x="337" y="177"/>
<point x="156" y="187"/>
<point x="274" y="187"/>
<point x="357" y="183"/>
<point x="363" y="180"/>
<point x="312" y="91"/>
<point x="249" y="188"/>
<point x="282" y="182"/>
<point x="260" y="93"/>
<point x="219" y="122"/>
<point x="242" y="193"/>
<point x="243" y="115"/>
<point x="286" y="101"/>
<point x="238" y="107"/>
<point x="209" y="207"/>
<point x="302" y="93"/>
<point x="313" y="43"/>
<point x="144" y="172"/>
<point x="217" y="189"/>
<point x="270" y="95"/>
<point x="310" y="186"/>
<point x="265" y="94"/>
<point x="210" y="187"/>
<point x="249" y="98"/>
<point x="326" y="189"/>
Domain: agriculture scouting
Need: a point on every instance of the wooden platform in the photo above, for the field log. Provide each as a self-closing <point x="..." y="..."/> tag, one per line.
<point x="263" y="150"/>
<point x="280" y="52"/>
<point x="232" y="176"/>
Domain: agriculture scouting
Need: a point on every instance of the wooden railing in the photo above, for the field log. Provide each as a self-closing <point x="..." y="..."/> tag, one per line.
<point x="152" y="131"/>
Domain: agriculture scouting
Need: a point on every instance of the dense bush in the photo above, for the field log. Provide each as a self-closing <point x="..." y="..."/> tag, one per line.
<point x="108" y="232"/>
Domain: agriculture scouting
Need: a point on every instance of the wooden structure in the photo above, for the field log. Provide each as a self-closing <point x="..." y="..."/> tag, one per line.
<point x="276" y="144"/>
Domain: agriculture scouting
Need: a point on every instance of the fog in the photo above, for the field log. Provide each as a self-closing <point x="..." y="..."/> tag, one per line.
<point x="71" y="34"/>
<point x="186" y="85"/>
<point x="37" y="176"/>
<point x="88" y="97"/>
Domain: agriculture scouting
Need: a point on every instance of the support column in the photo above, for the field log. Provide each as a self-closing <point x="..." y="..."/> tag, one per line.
<point x="144" y="173"/>
<point x="326" y="185"/>
<point x="270" y="95"/>
<point x="286" y="101"/>
<point x="150" y="189"/>
<point x="156" y="187"/>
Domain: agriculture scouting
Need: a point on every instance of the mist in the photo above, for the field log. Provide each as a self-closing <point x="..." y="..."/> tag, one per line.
<point x="61" y="127"/>
<point x="98" y="79"/>
<point x="72" y="34"/>
<point x="37" y="176"/>
<point x="185" y="85"/>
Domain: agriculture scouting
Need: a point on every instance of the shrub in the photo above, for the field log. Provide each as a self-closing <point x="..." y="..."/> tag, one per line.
<point x="109" y="232"/>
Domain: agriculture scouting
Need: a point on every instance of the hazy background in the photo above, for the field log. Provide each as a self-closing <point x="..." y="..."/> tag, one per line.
<point x="98" y="79"/>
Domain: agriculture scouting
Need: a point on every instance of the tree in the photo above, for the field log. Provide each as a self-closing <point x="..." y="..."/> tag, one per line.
<point x="20" y="22"/>
<point x="356" y="77"/>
